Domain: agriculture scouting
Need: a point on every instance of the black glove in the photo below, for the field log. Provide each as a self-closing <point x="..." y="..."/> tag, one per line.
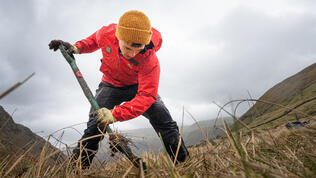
<point x="54" y="45"/>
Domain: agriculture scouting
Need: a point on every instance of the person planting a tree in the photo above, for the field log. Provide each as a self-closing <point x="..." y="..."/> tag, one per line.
<point x="129" y="86"/>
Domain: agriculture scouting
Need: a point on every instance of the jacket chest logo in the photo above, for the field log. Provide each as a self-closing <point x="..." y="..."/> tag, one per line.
<point x="108" y="49"/>
<point x="130" y="66"/>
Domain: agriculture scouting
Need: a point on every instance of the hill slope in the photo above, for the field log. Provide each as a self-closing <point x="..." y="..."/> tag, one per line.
<point x="294" y="98"/>
<point x="16" y="138"/>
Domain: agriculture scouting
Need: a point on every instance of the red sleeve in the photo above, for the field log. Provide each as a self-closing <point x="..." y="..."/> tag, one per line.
<point x="148" y="82"/>
<point x="88" y="45"/>
<point x="96" y="40"/>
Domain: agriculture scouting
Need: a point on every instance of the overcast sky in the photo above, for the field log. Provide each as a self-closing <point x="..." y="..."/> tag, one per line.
<point x="213" y="50"/>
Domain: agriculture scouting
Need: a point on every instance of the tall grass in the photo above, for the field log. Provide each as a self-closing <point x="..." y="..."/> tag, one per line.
<point x="258" y="152"/>
<point x="285" y="153"/>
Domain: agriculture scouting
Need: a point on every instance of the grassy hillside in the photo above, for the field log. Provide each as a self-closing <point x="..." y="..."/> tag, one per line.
<point x="274" y="152"/>
<point x="18" y="142"/>
<point x="292" y="99"/>
<point x="285" y="153"/>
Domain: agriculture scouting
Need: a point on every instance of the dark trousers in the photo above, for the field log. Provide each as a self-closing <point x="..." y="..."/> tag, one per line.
<point x="159" y="117"/>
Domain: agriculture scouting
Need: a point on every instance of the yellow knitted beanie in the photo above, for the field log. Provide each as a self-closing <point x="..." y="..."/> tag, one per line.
<point x="134" y="26"/>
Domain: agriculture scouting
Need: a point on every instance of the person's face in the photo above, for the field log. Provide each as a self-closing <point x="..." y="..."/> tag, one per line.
<point x="129" y="51"/>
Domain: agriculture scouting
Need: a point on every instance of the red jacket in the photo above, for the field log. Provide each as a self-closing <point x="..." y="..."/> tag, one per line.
<point x="118" y="71"/>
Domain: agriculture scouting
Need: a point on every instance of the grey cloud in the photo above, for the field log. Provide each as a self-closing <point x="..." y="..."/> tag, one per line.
<point x="257" y="52"/>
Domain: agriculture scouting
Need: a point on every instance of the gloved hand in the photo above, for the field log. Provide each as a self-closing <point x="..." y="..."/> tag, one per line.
<point x="103" y="115"/>
<point x="54" y="45"/>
